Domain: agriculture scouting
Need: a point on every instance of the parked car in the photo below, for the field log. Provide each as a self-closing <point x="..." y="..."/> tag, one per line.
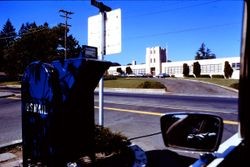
<point x="162" y="75"/>
<point x="116" y="74"/>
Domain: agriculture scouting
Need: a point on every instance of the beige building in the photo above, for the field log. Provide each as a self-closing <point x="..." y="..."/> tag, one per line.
<point x="155" y="56"/>
<point x="156" y="63"/>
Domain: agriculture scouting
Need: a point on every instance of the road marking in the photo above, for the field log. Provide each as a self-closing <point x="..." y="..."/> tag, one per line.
<point x="231" y="122"/>
<point x="174" y="107"/>
<point x="133" y="111"/>
<point x="155" y="113"/>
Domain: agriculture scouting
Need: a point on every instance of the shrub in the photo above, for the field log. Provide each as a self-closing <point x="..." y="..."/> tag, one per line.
<point x="228" y="71"/>
<point x="218" y="76"/>
<point x="150" y="84"/>
<point x="191" y="76"/>
<point x="111" y="149"/>
<point x="204" y="76"/>
<point x="185" y="69"/>
<point x="108" y="142"/>
<point x="197" y="69"/>
<point x="109" y="77"/>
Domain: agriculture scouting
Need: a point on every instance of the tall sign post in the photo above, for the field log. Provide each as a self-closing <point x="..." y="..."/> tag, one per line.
<point x="106" y="37"/>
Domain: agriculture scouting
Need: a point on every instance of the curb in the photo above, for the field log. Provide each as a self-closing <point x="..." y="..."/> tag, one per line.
<point x="6" y="94"/>
<point x="10" y="144"/>
<point x="131" y="90"/>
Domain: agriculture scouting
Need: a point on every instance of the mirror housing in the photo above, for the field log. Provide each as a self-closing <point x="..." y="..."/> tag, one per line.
<point x="198" y="132"/>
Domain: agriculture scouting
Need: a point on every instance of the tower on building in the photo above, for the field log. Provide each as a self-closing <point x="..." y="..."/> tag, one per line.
<point x="155" y="56"/>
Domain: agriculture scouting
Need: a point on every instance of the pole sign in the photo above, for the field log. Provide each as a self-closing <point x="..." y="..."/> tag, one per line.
<point x="89" y="52"/>
<point x="113" y="32"/>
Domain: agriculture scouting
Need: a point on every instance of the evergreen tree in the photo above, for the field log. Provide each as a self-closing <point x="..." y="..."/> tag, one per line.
<point x="27" y="28"/>
<point x="9" y="33"/>
<point x="7" y="38"/>
<point x="228" y="71"/>
<point x="2" y="43"/>
<point x="197" y="69"/>
<point x="119" y="70"/>
<point x="204" y="53"/>
<point x="185" y="70"/>
<point x="73" y="47"/>
<point x="129" y="70"/>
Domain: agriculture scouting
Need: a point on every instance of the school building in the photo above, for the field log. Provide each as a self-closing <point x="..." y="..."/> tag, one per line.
<point x="156" y="62"/>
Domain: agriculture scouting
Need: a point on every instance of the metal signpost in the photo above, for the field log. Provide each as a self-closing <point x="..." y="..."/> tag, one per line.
<point x="106" y="37"/>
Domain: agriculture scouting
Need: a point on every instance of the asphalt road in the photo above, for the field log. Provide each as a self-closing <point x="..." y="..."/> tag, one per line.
<point x="150" y="122"/>
<point x="139" y="114"/>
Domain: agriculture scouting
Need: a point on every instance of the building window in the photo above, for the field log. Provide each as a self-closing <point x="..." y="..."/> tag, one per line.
<point x="236" y="66"/>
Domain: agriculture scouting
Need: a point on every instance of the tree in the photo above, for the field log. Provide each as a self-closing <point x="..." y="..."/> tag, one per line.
<point x="7" y="38"/>
<point x="228" y="71"/>
<point x="204" y="53"/>
<point x="197" y="69"/>
<point x="129" y="70"/>
<point x="185" y="70"/>
<point x="115" y="64"/>
<point x="9" y="32"/>
<point x="38" y="43"/>
<point x="27" y="28"/>
<point x="119" y="70"/>
<point x="73" y="47"/>
<point x="1" y="51"/>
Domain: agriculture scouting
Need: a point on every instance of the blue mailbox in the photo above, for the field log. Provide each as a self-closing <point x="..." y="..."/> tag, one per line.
<point x="58" y="110"/>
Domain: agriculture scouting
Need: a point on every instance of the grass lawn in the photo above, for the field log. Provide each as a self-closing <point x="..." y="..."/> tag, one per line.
<point x="136" y="82"/>
<point x="219" y="81"/>
<point x="132" y="83"/>
<point x="123" y="83"/>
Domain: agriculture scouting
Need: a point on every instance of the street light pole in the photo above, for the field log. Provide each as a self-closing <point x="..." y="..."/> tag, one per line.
<point x="66" y="13"/>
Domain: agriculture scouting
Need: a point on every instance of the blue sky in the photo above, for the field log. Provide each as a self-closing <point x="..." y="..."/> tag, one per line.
<point x="179" y="25"/>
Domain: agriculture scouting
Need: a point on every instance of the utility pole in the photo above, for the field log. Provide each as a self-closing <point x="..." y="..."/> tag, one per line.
<point x="66" y="16"/>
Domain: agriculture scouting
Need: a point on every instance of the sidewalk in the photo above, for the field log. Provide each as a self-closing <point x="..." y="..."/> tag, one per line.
<point x="9" y="158"/>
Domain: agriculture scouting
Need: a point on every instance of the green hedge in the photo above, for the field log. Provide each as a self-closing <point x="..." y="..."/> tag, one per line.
<point x="152" y="85"/>
<point x="218" y="76"/>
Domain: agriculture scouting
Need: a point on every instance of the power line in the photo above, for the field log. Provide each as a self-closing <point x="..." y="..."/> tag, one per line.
<point x="173" y="9"/>
<point x="184" y="30"/>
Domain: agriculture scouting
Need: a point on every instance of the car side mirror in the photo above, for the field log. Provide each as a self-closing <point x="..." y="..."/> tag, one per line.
<point x="192" y="131"/>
